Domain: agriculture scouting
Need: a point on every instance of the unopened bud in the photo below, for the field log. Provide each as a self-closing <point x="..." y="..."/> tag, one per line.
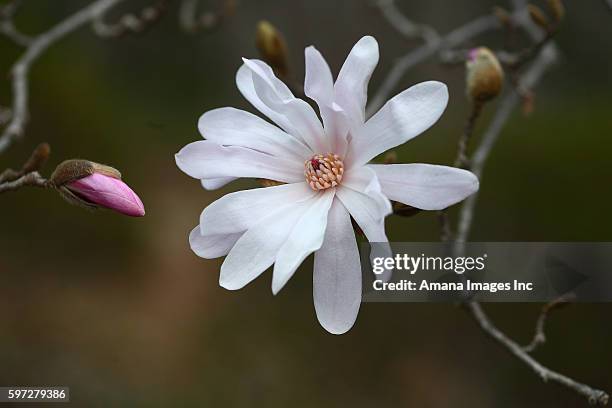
<point x="272" y="46"/>
<point x="95" y="185"/>
<point x="557" y="9"/>
<point x="37" y="159"/>
<point x="538" y="16"/>
<point x="484" y="75"/>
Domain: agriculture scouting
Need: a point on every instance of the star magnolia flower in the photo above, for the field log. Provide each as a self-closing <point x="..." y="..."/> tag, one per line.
<point x="326" y="173"/>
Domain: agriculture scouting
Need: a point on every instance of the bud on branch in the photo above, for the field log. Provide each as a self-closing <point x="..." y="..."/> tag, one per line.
<point x="94" y="185"/>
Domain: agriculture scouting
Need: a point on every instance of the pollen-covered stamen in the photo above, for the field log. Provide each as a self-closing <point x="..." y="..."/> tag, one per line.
<point x="324" y="171"/>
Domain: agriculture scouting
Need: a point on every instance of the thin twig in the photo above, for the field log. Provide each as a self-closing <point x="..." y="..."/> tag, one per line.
<point x="404" y="25"/>
<point x="21" y="69"/>
<point x="462" y="147"/>
<point x="7" y="27"/>
<point x="539" y="336"/>
<point x="193" y="21"/>
<point x="31" y="179"/>
<point x="594" y="396"/>
<point x="130" y="22"/>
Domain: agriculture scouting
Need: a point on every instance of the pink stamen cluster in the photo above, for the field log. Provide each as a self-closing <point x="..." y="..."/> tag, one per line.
<point x="324" y="171"/>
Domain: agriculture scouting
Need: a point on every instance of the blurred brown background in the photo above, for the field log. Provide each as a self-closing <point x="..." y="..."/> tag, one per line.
<point x="122" y="311"/>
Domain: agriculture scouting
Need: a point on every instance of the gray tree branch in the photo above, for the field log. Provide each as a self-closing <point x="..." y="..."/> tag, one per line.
<point x="39" y="44"/>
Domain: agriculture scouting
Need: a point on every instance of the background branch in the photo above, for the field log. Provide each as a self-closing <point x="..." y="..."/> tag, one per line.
<point x="31" y="179"/>
<point x="191" y="20"/>
<point x="594" y="396"/>
<point x="39" y="44"/>
<point x="130" y="22"/>
<point x="539" y="336"/>
<point x="406" y="27"/>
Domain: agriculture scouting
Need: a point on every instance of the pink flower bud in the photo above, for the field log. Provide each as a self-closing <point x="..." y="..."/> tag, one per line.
<point x="109" y="192"/>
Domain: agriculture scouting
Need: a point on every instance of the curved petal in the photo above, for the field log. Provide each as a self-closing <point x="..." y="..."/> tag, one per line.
<point x="319" y="86"/>
<point x="405" y="116"/>
<point x="206" y="159"/>
<point x="236" y="212"/>
<point x="351" y="88"/>
<point x="337" y="274"/>
<point x="273" y="98"/>
<point x="211" y="246"/>
<point x="215" y="183"/>
<point x="426" y="186"/>
<point x="364" y="180"/>
<point x="257" y="249"/>
<point x="305" y="238"/>
<point x="366" y="212"/>
<point x="318" y="82"/>
<point x="235" y="127"/>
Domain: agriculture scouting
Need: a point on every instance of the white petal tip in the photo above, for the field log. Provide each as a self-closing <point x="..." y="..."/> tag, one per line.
<point x="229" y="284"/>
<point x="335" y="328"/>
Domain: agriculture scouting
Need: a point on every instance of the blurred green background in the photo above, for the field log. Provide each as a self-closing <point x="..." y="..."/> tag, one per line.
<point x="123" y="312"/>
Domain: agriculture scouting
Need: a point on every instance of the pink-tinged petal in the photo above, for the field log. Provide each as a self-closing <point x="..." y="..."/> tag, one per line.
<point x="405" y="116"/>
<point x="270" y="96"/>
<point x="206" y="159"/>
<point x="234" y="127"/>
<point x="351" y="88"/>
<point x="337" y="274"/>
<point x="108" y="192"/>
<point x="425" y="186"/>
<point x="305" y="238"/>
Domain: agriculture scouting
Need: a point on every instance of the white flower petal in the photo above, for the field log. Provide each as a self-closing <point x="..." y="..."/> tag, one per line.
<point x="337" y="128"/>
<point x="236" y="212"/>
<point x="206" y="159"/>
<point x="318" y="82"/>
<point x="405" y="116"/>
<point x="211" y="246"/>
<point x="273" y="98"/>
<point x="426" y="186"/>
<point x="366" y="212"/>
<point x="337" y="274"/>
<point x="215" y="183"/>
<point x="257" y="249"/>
<point x="351" y="88"/>
<point x="305" y="238"/>
<point x="319" y="86"/>
<point x="364" y="180"/>
<point x="234" y="127"/>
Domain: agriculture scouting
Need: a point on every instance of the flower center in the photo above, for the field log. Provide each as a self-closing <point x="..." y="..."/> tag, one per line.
<point x="323" y="171"/>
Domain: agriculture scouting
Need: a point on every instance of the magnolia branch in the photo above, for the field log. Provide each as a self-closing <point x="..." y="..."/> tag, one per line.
<point x="130" y="22"/>
<point x="7" y="27"/>
<point x="539" y="336"/>
<point x="191" y="20"/>
<point x="429" y="49"/>
<point x="35" y="48"/>
<point x="543" y="53"/>
<point x="544" y="61"/>
<point x="594" y="396"/>
<point x="405" y="26"/>
<point x="33" y="179"/>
